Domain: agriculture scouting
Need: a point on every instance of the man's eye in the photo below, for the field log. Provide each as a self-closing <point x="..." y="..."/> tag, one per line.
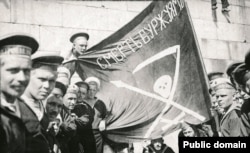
<point x="52" y="81"/>
<point x="13" y="71"/>
<point x="52" y="104"/>
<point x="27" y="71"/>
<point x="43" y="79"/>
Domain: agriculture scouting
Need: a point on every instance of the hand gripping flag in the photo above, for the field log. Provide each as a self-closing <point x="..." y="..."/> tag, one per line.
<point x="151" y="74"/>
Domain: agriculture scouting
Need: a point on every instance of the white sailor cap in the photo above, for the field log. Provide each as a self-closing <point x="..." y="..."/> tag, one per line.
<point x="93" y="79"/>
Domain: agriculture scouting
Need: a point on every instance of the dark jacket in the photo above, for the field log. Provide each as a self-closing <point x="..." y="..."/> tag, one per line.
<point x="84" y="126"/>
<point x="36" y="135"/>
<point x="231" y="124"/>
<point x="245" y="115"/>
<point x="164" y="149"/>
<point x="12" y="132"/>
<point x="67" y="131"/>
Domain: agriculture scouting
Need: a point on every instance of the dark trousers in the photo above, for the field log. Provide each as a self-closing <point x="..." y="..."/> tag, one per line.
<point x="224" y="3"/>
<point x="87" y="141"/>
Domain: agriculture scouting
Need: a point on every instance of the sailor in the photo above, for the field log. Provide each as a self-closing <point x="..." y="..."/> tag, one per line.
<point x="15" y="53"/>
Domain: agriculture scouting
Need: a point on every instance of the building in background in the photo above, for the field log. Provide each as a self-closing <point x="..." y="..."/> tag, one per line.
<point x="53" y="22"/>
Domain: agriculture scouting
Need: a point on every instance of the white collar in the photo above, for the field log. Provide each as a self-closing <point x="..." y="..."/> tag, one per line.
<point x="13" y="107"/>
<point x="36" y="106"/>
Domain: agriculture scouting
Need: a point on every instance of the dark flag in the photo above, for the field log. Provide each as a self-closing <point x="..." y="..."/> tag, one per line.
<point x="151" y="73"/>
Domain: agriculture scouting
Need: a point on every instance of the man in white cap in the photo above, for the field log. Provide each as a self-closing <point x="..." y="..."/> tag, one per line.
<point x="230" y="123"/>
<point x="80" y="43"/>
<point x="70" y="97"/>
<point x="215" y="78"/>
<point x="15" y="66"/>
<point x="42" y="82"/>
<point x="63" y="75"/>
<point x="99" y="123"/>
<point x="84" y="110"/>
<point x="71" y="122"/>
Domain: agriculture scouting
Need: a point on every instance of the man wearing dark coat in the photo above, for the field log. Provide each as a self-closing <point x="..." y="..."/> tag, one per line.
<point x="42" y="82"/>
<point x="83" y="110"/>
<point x="15" y="66"/>
<point x="68" y="127"/>
<point x="242" y="77"/>
<point x="157" y="146"/>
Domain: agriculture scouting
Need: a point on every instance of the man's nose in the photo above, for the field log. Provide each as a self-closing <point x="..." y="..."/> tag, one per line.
<point x="56" y="108"/>
<point x="218" y="98"/>
<point x="22" y="76"/>
<point x="46" y="84"/>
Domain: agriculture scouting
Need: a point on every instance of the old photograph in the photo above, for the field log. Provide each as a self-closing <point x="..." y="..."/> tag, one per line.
<point x="82" y="76"/>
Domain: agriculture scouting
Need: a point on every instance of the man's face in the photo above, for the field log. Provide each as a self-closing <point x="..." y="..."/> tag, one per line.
<point x="214" y="102"/>
<point x="53" y="106"/>
<point x="224" y="97"/>
<point x="42" y="82"/>
<point x="70" y="100"/>
<point x="80" y="45"/>
<point x="83" y="92"/>
<point x="15" y="75"/>
<point x="189" y="132"/>
<point x="157" y="145"/>
<point x="92" y="91"/>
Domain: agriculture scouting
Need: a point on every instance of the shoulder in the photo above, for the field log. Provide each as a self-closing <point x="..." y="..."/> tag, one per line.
<point x="86" y="105"/>
<point x="9" y="119"/>
<point x="25" y="109"/>
<point x="80" y="109"/>
<point x="235" y="113"/>
<point x="245" y="108"/>
<point x="100" y="103"/>
<point x="168" y="150"/>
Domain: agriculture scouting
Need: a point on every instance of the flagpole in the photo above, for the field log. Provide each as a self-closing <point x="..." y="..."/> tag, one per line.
<point x="197" y="44"/>
<point x="203" y="73"/>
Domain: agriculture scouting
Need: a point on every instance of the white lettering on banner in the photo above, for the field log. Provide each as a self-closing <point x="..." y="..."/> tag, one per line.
<point x="137" y="43"/>
<point x="162" y="21"/>
<point x="116" y="55"/>
<point x="145" y="38"/>
<point x="154" y="24"/>
<point x="150" y="30"/>
<point x="144" y="35"/>
<point x="129" y="45"/>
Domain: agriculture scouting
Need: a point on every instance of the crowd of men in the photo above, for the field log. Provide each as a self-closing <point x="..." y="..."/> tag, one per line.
<point x="41" y="112"/>
<point x="230" y="104"/>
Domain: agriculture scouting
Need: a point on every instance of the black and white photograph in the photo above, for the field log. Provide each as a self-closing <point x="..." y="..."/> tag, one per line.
<point x="89" y="76"/>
